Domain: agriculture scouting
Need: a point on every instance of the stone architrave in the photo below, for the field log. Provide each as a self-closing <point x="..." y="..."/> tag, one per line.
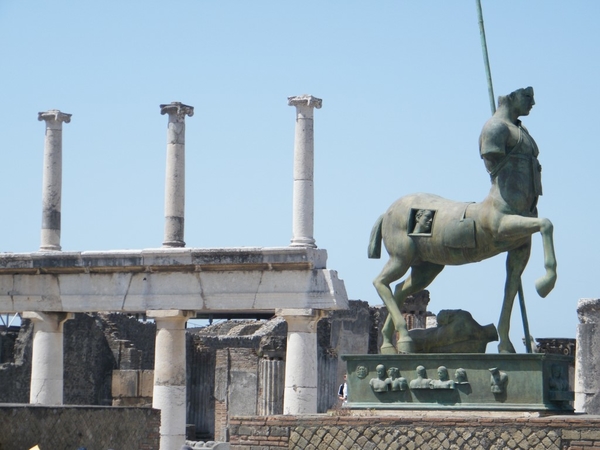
<point x="169" y="394"/>
<point x="304" y="149"/>
<point x="175" y="173"/>
<point x="300" y="391"/>
<point x="52" y="179"/>
<point x="47" y="357"/>
<point x="587" y="358"/>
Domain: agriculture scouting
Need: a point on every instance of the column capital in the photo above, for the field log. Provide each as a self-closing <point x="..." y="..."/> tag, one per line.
<point x="302" y="320"/>
<point x="170" y="318"/>
<point x="305" y="100"/>
<point x="177" y="109"/>
<point x="54" y="115"/>
<point x="48" y="321"/>
<point x="170" y="314"/>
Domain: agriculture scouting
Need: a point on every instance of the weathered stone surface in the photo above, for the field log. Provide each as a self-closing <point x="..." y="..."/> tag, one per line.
<point x="587" y="365"/>
<point x="62" y="427"/>
<point x="414" y="431"/>
<point x="188" y="279"/>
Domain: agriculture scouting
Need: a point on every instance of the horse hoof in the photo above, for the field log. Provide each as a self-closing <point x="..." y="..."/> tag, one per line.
<point x="388" y="349"/>
<point x="506" y="348"/>
<point x="544" y="285"/>
<point x="405" y="345"/>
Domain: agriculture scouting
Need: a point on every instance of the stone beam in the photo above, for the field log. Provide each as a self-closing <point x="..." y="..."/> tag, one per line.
<point x="216" y="280"/>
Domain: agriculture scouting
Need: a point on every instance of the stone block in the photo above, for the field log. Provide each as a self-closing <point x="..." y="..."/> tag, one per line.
<point x="591" y="435"/>
<point x="124" y="383"/>
<point x="146" y="384"/>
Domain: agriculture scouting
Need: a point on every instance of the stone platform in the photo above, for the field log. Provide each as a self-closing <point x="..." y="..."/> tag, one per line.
<point x="499" y="382"/>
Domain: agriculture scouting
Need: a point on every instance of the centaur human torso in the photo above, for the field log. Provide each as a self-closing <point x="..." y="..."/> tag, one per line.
<point x="459" y="233"/>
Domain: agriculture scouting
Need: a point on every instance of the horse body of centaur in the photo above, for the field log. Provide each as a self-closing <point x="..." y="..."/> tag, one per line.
<point x="425" y="232"/>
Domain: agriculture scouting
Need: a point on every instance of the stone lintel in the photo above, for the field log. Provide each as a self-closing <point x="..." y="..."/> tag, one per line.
<point x="54" y="115"/>
<point x="305" y="100"/>
<point x="165" y="260"/>
<point x="178" y="109"/>
<point x="66" y="284"/>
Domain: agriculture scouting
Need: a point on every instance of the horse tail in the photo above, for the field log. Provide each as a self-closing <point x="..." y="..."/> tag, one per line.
<point x="374" y="250"/>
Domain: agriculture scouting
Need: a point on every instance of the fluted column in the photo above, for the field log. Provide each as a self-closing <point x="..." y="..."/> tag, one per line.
<point x="169" y="394"/>
<point x="47" y="357"/>
<point x="304" y="149"/>
<point x="272" y="378"/>
<point x="175" y="173"/>
<point x="52" y="179"/>
<point x="301" y="377"/>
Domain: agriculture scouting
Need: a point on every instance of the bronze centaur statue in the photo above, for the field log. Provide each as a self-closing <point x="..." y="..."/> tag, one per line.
<point x="424" y="232"/>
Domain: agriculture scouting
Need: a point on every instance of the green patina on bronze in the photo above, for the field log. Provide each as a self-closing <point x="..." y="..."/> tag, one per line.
<point x="456" y="332"/>
<point x="424" y="232"/>
<point x="523" y="382"/>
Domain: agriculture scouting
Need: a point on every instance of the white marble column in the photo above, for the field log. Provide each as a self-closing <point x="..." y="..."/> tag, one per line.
<point x="52" y="178"/>
<point x="300" y="391"/>
<point x="175" y="173"/>
<point x="587" y="358"/>
<point x="47" y="357"/>
<point x="304" y="149"/>
<point x="169" y="394"/>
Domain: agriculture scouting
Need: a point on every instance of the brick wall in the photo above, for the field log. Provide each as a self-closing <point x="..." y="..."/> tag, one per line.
<point x="452" y="431"/>
<point x="71" y="427"/>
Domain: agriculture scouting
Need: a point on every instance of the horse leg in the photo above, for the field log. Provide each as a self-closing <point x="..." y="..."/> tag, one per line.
<point x="517" y="227"/>
<point x="515" y="265"/>
<point x="420" y="277"/>
<point x="392" y="271"/>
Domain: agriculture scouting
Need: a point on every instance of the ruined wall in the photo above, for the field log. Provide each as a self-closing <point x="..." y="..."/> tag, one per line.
<point x="94" y="345"/>
<point x="15" y="376"/>
<point x="88" y="362"/>
<point x="130" y="339"/>
<point x="225" y="374"/>
<point x="372" y="432"/>
<point x="8" y="338"/>
<point x="95" y="428"/>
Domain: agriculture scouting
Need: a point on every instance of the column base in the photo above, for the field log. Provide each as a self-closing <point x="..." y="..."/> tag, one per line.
<point x="303" y="242"/>
<point x="173" y="244"/>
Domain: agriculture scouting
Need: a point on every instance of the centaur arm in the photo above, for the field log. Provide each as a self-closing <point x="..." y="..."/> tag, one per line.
<point x="493" y="143"/>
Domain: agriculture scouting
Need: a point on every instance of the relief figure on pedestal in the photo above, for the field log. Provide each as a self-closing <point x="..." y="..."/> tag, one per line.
<point x="379" y="384"/>
<point x="461" y="376"/>
<point x="443" y="381"/>
<point x="362" y="372"/>
<point x="421" y="382"/>
<point x="395" y="381"/>
<point x="498" y="381"/>
<point x="557" y="381"/>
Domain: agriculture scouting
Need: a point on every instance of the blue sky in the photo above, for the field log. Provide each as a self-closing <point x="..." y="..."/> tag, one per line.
<point x="404" y="99"/>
